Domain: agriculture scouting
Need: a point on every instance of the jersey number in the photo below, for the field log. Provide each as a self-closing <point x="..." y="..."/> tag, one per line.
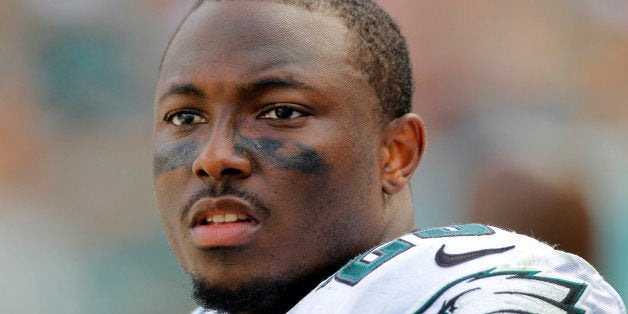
<point x="364" y="264"/>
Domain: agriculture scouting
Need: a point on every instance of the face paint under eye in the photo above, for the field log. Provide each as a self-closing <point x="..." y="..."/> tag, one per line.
<point x="307" y="160"/>
<point x="174" y="157"/>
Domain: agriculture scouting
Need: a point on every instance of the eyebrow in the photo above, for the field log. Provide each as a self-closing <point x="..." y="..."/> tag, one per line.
<point x="185" y="89"/>
<point x="259" y="86"/>
<point x="274" y="83"/>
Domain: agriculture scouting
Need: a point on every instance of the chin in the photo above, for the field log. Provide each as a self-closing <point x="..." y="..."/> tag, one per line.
<point x="276" y="295"/>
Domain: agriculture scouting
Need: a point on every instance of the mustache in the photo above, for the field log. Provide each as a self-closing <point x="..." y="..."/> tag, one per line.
<point x="227" y="189"/>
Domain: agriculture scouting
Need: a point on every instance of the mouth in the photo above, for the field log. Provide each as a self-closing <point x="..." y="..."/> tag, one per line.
<point x="224" y="218"/>
<point x="223" y="222"/>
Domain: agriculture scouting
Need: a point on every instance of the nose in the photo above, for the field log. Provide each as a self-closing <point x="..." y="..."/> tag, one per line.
<point x="219" y="160"/>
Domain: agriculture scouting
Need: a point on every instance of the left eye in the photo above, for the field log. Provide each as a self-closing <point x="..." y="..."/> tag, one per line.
<point x="185" y="118"/>
<point x="282" y="113"/>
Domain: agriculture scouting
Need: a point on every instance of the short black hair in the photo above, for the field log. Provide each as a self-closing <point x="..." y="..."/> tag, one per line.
<point x="380" y="49"/>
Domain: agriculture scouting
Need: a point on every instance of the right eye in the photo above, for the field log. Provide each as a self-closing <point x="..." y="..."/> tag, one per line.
<point x="185" y="118"/>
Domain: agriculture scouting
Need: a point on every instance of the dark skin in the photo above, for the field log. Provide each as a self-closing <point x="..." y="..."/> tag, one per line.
<point x="260" y="98"/>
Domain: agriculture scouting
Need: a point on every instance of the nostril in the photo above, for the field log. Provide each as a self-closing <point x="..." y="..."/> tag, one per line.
<point x="219" y="167"/>
<point x="202" y="173"/>
<point x="230" y="172"/>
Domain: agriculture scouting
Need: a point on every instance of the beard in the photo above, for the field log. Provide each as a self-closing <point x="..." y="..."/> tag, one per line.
<point x="275" y="295"/>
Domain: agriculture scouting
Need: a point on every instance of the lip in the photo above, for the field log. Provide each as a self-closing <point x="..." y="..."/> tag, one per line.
<point x="213" y="235"/>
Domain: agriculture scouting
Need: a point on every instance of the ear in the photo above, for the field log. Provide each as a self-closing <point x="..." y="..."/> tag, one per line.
<point x="402" y="148"/>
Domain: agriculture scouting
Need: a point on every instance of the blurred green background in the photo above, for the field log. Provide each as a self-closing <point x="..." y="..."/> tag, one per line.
<point x="525" y="104"/>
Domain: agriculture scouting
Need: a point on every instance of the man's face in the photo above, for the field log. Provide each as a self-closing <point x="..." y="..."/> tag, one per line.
<point x="266" y="146"/>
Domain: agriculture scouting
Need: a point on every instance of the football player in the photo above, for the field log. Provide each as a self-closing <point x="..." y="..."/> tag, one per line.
<point x="284" y="142"/>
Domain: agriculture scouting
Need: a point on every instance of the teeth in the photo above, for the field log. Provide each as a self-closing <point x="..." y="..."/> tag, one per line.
<point x="231" y="217"/>
<point x="220" y="218"/>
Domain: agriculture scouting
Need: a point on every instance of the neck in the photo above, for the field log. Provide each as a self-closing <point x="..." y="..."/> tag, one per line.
<point x="400" y="215"/>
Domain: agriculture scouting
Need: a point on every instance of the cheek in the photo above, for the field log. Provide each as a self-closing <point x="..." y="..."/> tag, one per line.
<point x="322" y="220"/>
<point x="345" y="176"/>
<point x="169" y="191"/>
<point x="176" y="156"/>
<point x="170" y="184"/>
<point x="171" y="172"/>
<point x="332" y="206"/>
<point x="352" y="189"/>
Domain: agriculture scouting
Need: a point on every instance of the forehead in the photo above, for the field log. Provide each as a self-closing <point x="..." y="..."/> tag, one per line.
<point x="255" y="36"/>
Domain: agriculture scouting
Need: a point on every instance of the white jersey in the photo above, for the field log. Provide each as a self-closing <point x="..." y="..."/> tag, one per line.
<point x="463" y="269"/>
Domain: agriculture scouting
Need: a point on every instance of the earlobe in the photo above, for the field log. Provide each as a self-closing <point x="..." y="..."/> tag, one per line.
<point x="402" y="148"/>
